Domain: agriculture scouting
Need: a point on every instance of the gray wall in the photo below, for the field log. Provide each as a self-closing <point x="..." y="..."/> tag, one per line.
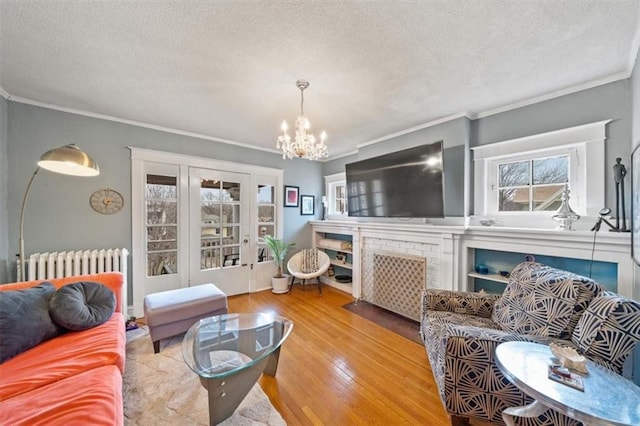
<point x="455" y="136"/>
<point x="307" y="175"/>
<point x="4" y="230"/>
<point x="635" y="142"/>
<point x="609" y="101"/>
<point x="58" y="215"/>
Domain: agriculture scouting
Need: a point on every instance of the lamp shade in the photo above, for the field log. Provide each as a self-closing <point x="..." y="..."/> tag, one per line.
<point x="69" y="160"/>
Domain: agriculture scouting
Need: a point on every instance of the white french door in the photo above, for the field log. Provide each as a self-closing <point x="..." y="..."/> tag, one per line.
<point x="197" y="220"/>
<point x="220" y="243"/>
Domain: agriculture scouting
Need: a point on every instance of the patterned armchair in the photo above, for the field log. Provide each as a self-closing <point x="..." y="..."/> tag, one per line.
<point x="540" y="304"/>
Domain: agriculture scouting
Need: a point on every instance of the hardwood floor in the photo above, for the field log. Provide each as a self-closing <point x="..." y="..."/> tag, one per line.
<point x="337" y="368"/>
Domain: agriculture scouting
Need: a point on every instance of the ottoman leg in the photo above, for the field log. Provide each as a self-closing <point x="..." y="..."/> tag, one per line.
<point x="156" y="346"/>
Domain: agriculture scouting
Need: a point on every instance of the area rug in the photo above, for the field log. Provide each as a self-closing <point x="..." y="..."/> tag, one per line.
<point x="160" y="389"/>
<point x="403" y="326"/>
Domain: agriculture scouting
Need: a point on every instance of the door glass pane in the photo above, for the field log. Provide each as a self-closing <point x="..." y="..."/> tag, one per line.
<point x="231" y="235"/>
<point x="161" y="263"/>
<point x="266" y="194"/>
<point x="209" y="258"/>
<point x="230" y="213"/>
<point x="231" y="191"/>
<point x="161" y="214"/>
<point x="266" y="220"/>
<point x="265" y="230"/>
<point x="266" y="214"/>
<point x="219" y="206"/>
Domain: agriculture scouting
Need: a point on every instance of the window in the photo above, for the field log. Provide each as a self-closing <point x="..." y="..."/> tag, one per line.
<point x="266" y="220"/>
<point x="532" y="185"/>
<point x="526" y="176"/>
<point x="161" y="200"/>
<point x="336" y="190"/>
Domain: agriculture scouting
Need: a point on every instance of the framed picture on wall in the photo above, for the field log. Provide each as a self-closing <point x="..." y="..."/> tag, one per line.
<point x="635" y="204"/>
<point x="291" y="196"/>
<point x="307" y="205"/>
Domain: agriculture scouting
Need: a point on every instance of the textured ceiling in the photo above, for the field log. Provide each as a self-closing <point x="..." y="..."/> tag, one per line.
<point x="227" y="69"/>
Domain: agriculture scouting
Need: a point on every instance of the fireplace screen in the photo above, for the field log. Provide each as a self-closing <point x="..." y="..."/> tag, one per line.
<point x="395" y="282"/>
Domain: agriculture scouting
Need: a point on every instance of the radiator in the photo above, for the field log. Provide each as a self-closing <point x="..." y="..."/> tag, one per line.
<point x="46" y="266"/>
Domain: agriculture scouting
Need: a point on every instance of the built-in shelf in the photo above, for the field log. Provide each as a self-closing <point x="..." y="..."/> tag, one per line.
<point x="490" y="277"/>
<point x="334" y="249"/>
<point x="347" y="287"/>
<point x="341" y="264"/>
<point x="334" y="235"/>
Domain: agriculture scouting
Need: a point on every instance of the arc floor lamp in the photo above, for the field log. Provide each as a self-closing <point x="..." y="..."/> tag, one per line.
<point x="66" y="160"/>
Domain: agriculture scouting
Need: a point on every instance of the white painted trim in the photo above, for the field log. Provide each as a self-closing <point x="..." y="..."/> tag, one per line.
<point x="556" y="94"/>
<point x="4" y="93"/>
<point x="145" y="154"/>
<point x="416" y="128"/>
<point x="324" y="160"/>
<point x="335" y="177"/>
<point x="579" y="134"/>
<point x="587" y="180"/>
<point x="141" y="160"/>
<point x="140" y="124"/>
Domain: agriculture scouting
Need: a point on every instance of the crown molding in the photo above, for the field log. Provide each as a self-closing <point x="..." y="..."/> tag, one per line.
<point x="556" y="94"/>
<point x="4" y="93"/>
<point x="139" y="124"/>
<point x="416" y="128"/>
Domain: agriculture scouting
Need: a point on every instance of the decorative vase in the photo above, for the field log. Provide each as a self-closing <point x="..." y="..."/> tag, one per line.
<point x="565" y="216"/>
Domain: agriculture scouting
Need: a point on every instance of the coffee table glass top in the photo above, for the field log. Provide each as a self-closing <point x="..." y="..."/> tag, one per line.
<point x="223" y="345"/>
<point x="608" y="398"/>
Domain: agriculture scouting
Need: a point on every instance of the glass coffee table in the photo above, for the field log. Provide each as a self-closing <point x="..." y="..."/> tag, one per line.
<point x="230" y="352"/>
<point x="607" y="398"/>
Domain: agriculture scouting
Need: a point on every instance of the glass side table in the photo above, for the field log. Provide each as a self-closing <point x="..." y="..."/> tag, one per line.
<point x="607" y="399"/>
<point x="230" y="352"/>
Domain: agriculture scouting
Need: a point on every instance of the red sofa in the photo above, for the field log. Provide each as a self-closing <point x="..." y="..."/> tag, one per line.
<point x="72" y="379"/>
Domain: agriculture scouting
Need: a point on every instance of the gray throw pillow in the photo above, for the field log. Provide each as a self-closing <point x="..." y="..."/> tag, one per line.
<point x="82" y="305"/>
<point x="24" y="319"/>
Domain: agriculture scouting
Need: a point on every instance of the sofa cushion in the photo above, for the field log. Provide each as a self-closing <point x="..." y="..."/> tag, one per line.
<point x="24" y="319"/>
<point x="539" y="300"/>
<point x="67" y="355"/>
<point x="90" y="398"/>
<point x="82" y="305"/>
<point x="609" y="329"/>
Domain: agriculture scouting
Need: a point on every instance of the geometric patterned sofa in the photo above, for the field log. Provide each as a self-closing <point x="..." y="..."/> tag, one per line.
<point x="540" y="304"/>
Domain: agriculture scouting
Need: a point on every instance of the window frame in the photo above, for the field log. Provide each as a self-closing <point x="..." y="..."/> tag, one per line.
<point x="332" y="182"/>
<point x="585" y="146"/>
<point x="575" y="154"/>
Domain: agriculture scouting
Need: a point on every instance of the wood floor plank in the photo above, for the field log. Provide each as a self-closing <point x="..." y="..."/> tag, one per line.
<point x="338" y="368"/>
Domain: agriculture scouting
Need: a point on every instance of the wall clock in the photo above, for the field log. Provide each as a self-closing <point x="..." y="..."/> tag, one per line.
<point x="106" y="201"/>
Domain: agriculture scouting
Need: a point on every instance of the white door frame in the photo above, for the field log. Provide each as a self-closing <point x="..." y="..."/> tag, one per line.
<point x="139" y="156"/>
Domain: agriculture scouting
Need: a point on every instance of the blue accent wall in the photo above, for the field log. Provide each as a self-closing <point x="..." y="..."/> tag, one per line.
<point x="604" y="273"/>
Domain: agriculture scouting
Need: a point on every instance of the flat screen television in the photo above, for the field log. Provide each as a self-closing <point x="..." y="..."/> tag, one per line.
<point x="407" y="183"/>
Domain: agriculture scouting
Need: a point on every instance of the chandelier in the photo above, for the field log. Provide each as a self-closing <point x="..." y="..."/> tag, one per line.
<point x="304" y="145"/>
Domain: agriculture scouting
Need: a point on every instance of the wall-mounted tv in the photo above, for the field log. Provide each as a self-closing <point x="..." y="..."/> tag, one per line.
<point x="407" y="183"/>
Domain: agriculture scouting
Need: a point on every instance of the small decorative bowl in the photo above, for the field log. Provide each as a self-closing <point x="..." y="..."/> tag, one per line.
<point x="504" y="273"/>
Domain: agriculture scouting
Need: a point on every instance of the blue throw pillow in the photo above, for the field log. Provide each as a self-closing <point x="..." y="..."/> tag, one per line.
<point x="82" y="305"/>
<point x="24" y="319"/>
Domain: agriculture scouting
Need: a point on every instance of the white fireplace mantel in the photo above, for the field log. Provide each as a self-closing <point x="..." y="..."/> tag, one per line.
<point x="454" y="244"/>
